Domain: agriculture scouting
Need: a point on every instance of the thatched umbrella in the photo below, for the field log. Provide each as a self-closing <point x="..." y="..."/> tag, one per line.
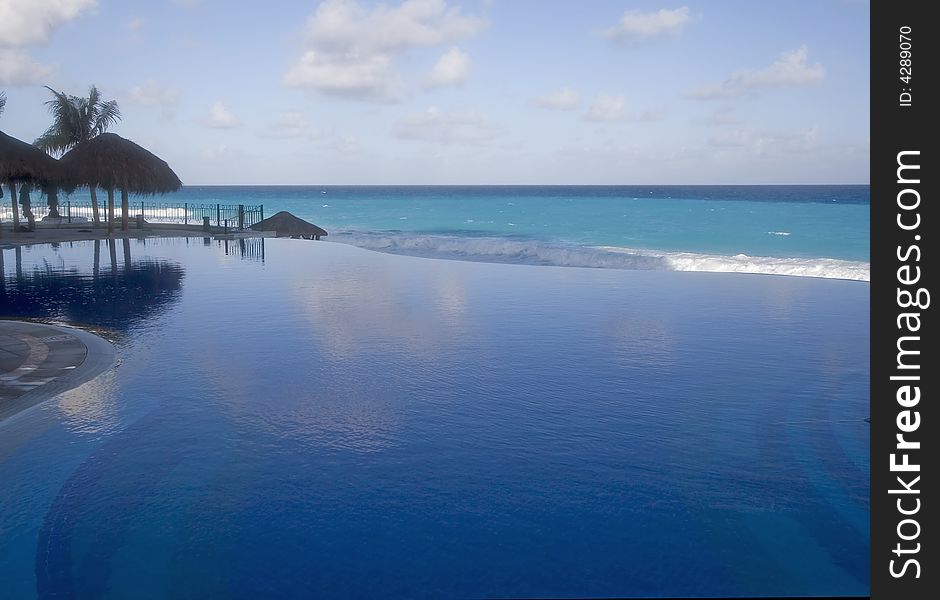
<point x="287" y="225"/>
<point x="111" y="162"/>
<point x="23" y="163"/>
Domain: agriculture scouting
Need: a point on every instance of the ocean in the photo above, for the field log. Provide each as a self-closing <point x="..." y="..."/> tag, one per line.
<point x="809" y="230"/>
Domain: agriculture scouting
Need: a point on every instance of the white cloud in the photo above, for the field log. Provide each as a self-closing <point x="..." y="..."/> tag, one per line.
<point x="713" y="91"/>
<point x="638" y="26"/>
<point x="18" y="68"/>
<point x="25" y="22"/>
<point x="346" y="24"/>
<point x="291" y="124"/>
<point x="346" y="75"/>
<point x="221" y="152"/>
<point x="790" y="69"/>
<point x="351" y="48"/>
<point x="648" y="115"/>
<point x="136" y="24"/>
<point x="614" y="151"/>
<point x="451" y="68"/>
<point x="724" y="116"/>
<point x="564" y="99"/>
<point x="31" y="22"/>
<point x="344" y="145"/>
<point x="607" y="108"/>
<point x="734" y="138"/>
<point x="767" y="143"/>
<point x="221" y="117"/>
<point x="151" y="93"/>
<point x="458" y="127"/>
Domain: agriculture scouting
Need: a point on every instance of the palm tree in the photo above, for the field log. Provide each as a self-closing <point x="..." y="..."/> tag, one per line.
<point x="77" y="120"/>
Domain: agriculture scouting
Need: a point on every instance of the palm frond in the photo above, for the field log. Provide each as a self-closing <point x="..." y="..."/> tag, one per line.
<point x="94" y="96"/>
<point x="106" y="115"/>
<point x="3" y="101"/>
<point x="76" y="120"/>
<point x="54" y="141"/>
<point x="83" y="118"/>
<point x="65" y="130"/>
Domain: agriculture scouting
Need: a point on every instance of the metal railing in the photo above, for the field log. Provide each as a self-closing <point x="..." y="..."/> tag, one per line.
<point x="230" y="216"/>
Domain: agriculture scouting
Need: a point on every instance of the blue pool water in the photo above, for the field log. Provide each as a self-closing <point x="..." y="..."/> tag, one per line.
<point x="310" y="419"/>
<point x="815" y="230"/>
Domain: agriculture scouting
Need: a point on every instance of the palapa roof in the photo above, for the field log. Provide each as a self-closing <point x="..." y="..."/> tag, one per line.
<point x="24" y="162"/>
<point x="110" y="161"/>
<point x="286" y="224"/>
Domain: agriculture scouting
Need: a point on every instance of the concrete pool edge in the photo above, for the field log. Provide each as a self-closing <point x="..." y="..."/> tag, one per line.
<point x="98" y="356"/>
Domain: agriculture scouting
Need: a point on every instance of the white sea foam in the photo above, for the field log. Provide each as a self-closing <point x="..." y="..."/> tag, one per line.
<point x="778" y="233"/>
<point x="505" y="250"/>
<point x="829" y="268"/>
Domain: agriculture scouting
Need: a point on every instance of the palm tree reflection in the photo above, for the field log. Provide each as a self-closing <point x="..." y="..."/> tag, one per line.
<point x="142" y="290"/>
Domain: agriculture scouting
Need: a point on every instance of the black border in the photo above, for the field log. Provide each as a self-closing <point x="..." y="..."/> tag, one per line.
<point x="896" y="128"/>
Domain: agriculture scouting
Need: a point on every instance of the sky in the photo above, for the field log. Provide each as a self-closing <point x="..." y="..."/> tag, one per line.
<point x="460" y="91"/>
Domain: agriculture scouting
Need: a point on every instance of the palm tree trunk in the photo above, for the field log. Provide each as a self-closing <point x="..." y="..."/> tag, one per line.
<point x="18" y="254"/>
<point x="96" y="267"/>
<point x="16" y="208"/>
<point x="27" y="208"/>
<point x="52" y="200"/>
<point x="110" y="211"/>
<point x="124" y="210"/>
<point x="112" y="249"/>
<point x="94" y="205"/>
<point x="28" y="212"/>
<point x="127" y="255"/>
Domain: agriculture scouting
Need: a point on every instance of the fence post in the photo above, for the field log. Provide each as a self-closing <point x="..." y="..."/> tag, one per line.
<point x="261" y="211"/>
<point x="68" y="210"/>
<point x="241" y="216"/>
<point x="141" y="208"/>
<point x="186" y="213"/>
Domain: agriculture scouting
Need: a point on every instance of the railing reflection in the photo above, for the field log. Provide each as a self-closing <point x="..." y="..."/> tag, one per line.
<point x="244" y="248"/>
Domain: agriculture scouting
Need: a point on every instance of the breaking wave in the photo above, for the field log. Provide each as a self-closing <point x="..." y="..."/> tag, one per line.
<point x="532" y="252"/>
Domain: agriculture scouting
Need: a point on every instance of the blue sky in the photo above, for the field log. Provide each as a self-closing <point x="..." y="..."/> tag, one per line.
<point x="460" y="92"/>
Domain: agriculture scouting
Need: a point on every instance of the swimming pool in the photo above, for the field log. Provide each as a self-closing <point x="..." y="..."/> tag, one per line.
<point x="313" y="419"/>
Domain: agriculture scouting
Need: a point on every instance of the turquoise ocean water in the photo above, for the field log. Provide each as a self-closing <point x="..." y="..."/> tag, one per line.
<point x="818" y="231"/>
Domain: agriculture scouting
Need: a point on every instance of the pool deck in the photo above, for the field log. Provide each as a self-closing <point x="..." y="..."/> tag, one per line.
<point x="46" y="233"/>
<point x="39" y="361"/>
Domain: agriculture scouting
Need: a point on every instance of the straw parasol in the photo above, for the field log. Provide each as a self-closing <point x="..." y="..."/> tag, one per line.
<point x="287" y="225"/>
<point x="23" y="163"/>
<point x="111" y="162"/>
